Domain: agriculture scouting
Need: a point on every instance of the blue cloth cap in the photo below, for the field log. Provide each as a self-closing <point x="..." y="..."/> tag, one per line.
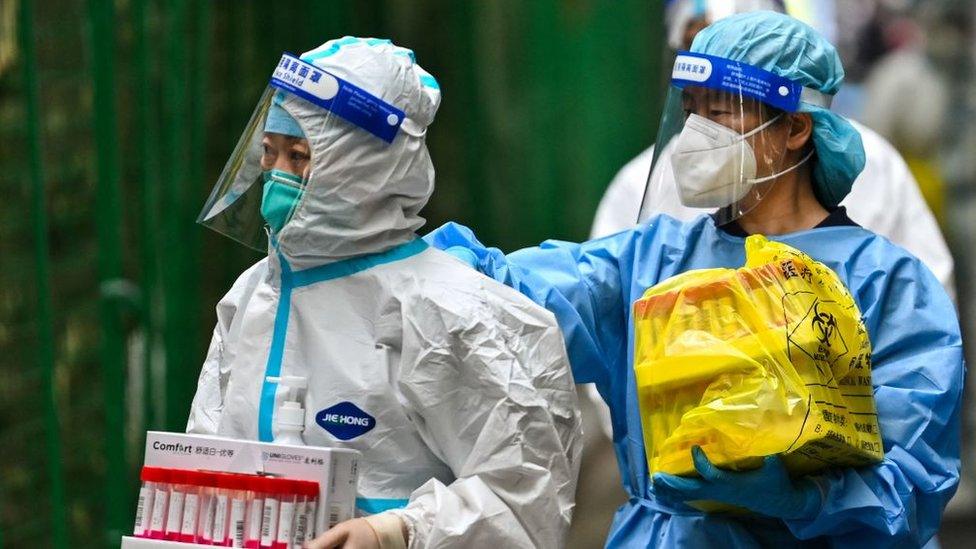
<point x="785" y="46"/>
<point x="279" y="121"/>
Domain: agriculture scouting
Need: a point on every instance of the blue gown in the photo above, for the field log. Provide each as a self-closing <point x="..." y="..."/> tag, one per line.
<point x="917" y="375"/>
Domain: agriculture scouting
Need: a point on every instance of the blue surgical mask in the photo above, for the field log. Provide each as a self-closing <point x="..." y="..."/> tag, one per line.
<point x="282" y="191"/>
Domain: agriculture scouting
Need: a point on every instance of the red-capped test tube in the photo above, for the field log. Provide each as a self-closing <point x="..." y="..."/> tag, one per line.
<point x="300" y="522"/>
<point x="151" y="477"/>
<point x="238" y="510"/>
<point x="177" y="496"/>
<point x="255" y="511"/>
<point x="230" y="509"/>
<point x="193" y="481"/>
<point x="272" y="504"/>
<point x="312" y="510"/>
<point x="287" y="504"/>
<point x="160" y="504"/>
<point x="304" y="529"/>
<point x="205" y="519"/>
<point x="221" y="508"/>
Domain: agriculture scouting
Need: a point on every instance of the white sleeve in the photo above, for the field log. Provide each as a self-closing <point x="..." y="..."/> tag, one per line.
<point x="208" y="402"/>
<point x="496" y="402"/>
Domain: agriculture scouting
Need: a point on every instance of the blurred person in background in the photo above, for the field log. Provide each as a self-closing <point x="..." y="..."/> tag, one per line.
<point x="458" y="388"/>
<point x="892" y="88"/>
<point x="924" y="49"/>
<point x="776" y="163"/>
<point x="950" y="46"/>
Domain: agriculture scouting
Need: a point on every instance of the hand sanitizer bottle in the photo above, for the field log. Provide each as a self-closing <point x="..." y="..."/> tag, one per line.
<point x="290" y="416"/>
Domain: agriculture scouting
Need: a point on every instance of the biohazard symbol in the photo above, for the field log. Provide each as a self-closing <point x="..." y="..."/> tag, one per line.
<point x="824" y="324"/>
<point x="815" y="333"/>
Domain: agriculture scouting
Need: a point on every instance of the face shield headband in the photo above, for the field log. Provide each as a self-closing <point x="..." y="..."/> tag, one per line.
<point x="712" y="146"/>
<point x="345" y="100"/>
<point x="709" y="71"/>
<point x="249" y="198"/>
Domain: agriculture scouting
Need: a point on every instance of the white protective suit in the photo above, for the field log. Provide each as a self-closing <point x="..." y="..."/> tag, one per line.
<point x="885" y="199"/>
<point x="470" y="429"/>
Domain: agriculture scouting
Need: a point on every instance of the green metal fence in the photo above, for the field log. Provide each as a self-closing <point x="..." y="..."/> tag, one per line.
<point x="115" y="119"/>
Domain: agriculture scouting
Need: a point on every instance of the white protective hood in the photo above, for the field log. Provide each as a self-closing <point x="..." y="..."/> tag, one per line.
<point x="364" y="195"/>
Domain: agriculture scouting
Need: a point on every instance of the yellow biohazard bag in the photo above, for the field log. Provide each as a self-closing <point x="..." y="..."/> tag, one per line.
<point x="771" y="358"/>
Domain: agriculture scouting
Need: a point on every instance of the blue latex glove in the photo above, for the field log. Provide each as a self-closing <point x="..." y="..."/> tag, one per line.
<point x="768" y="490"/>
<point x="465" y="255"/>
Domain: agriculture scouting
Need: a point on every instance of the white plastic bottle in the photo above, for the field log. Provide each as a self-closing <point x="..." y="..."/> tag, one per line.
<point x="290" y="416"/>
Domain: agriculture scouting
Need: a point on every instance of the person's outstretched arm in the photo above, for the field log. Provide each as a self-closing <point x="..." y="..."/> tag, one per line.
<point x="208" y="402"/>
<point x="579" y="283"/>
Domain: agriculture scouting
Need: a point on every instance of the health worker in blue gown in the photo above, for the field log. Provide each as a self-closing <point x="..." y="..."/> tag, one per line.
<point x="748" y="131"/>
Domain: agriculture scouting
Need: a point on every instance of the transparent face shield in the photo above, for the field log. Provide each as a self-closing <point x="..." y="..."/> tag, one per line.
<point x="267" y="177"/>
<point x="723" y="140"/>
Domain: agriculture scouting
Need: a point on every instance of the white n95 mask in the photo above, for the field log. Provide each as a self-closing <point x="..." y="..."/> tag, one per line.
<point x="714" y="166"/>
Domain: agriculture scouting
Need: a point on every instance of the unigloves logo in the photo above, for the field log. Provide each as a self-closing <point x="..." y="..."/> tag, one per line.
<point x="345" y="421"/>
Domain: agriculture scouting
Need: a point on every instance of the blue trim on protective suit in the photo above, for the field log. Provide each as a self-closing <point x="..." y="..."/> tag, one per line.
<point x="269" y="389"/>
<point x="297" y="279"/>
<point x="331" y="50"/>
<point x="354" y="265"/>
<point x="373" y="506"/>
<point x="430" y="82"/>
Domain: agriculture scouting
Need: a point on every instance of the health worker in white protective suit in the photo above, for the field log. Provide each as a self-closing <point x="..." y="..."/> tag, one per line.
<point x="458" y="388"/>
<point x="902" y="216"/>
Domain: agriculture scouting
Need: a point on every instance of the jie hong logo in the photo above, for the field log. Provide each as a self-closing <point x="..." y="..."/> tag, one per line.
<point x="345" y="421"/>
